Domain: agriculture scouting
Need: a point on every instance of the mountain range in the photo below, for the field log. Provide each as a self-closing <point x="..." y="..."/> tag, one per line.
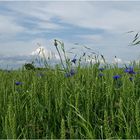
<point x="16" y="61"/>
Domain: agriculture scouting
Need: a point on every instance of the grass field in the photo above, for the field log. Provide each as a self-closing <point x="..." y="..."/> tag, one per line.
<point x="91" y="103"/>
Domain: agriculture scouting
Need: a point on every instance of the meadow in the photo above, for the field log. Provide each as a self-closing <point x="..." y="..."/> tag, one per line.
<point x="91" y="102"/>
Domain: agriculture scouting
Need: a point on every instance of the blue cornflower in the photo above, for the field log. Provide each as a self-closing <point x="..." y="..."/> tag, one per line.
<point x="74" y="60"/>
<point x="100" y="74"/>
<point x="116" y="77"/>
<point x="18" y="83"/>
<point x="126" y="70"/>
<point x="131" y="79"/>
<point x="71" y="73"/>
<point x="130" y="70"/>
<point x="101" y="69"/>
<point x="117" y="82"/>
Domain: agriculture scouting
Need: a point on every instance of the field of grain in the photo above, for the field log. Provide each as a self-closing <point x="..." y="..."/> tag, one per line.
<point x="91" y="102"/>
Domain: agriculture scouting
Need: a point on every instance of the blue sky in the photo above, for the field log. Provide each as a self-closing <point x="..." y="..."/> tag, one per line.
<point x="101" y="25"/>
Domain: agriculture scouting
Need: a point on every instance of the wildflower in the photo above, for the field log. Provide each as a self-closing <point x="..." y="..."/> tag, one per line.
<point x="126" y="70"/>
<point x="130" y="70"/>
<point x="131" y="79"/>
<point x="18" y="83"/>
<point x="101" y="75"/>
<point x="101" y="69"/>
<point x="74" y="60"/>
<point x="116" y="77"/>
<point x="117" y="83"/>
<point x="71" y="73"/>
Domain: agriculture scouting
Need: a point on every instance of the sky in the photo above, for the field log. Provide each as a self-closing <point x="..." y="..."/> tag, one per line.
<point x="100" y="25"/>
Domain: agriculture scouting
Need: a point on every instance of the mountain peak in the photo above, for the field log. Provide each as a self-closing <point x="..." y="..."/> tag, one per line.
<point x="41" y="51"/>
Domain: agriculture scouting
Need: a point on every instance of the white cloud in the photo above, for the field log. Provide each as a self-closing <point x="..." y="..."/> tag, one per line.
<point x="48" y="25"/>
<point x="8" y="26"/>
<point x="95" y="15"/>
<point x="34" y="13"/>
<point x="89" y="14"/>
<point x="102" y="15"/>
<point x="91" y="38"/>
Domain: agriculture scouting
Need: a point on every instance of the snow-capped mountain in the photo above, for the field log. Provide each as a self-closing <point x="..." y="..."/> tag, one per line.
<point x="17" y="61"/>
<point x="43" y="52"/>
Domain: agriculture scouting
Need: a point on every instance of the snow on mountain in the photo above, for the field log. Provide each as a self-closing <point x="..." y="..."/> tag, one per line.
<point x="41" y="51"/>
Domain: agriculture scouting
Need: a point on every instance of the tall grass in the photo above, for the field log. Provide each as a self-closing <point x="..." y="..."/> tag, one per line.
<point x="82" y="106"/>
